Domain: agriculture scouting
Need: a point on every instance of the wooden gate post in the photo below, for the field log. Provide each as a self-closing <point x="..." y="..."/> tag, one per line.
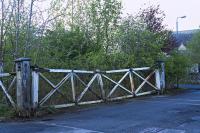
<point x="23" y="72"/>
<point x="160" y="74"/>
<point x="35" y="89"/>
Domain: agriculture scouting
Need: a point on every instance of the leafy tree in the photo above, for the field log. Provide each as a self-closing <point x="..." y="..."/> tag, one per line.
<point x="177" y="65"/>
<point x="194" y="46"/>
<point x="104" y="17"/>
<point x="153" y="18"/>
<point x="137" y="39"/>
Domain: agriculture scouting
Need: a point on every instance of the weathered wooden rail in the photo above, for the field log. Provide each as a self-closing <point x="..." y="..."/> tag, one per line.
<point x="5" y="90"/>
<point x="28" y="85"/>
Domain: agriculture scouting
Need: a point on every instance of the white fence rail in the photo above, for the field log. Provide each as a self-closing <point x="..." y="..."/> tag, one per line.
<point x="104" y="86"/>
<point x="100" y="77"/>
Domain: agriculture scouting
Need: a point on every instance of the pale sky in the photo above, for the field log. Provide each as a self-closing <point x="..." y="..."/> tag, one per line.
<point x="172" y="9"/>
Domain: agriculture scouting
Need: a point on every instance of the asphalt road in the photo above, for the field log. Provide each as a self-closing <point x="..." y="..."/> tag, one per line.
<point x="154" y="114"/>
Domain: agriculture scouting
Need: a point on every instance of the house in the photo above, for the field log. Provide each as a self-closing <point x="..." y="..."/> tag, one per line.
<point x="183" y="37"/>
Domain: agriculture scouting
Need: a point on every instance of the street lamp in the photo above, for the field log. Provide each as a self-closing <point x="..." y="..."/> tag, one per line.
<point x="177" y="23"/>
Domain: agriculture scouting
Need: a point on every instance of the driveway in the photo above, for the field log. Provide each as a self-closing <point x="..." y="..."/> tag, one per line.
<point x="153" y="114"/>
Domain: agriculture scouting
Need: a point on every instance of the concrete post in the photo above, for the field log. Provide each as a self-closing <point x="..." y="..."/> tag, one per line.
<point x="157" y="78"/>
<point x="161" y="66"/>
<point x="34" y="89"/>
<point x="163" y="75"/>
<point x="23" y="73"/>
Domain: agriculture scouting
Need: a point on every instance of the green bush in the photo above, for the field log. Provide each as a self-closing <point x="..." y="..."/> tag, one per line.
<point x="177" y="65"/>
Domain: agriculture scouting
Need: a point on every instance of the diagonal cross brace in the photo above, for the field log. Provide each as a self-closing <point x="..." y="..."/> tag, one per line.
<point x="56" y="89"/>
<point x="50" y="83"/>
<point x="145" y="80"/>
<point x="10" y="86"/>
<point x="117" y="84"/>
<point x="87" y="87"/>
<point x="7" y="95"/>
<point x="100" y="82"/>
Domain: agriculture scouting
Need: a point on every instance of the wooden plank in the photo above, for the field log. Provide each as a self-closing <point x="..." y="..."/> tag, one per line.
<point x="132" y="83"/>
<point x="47" y="80"/>
<point x="146" y="93"/>
<point x="7" y="95"/>
<point x="126" y="70"/>
<point x="10" y="86"/>
<point x="59" y="71"/>
<point x="100" y="82"/>
<point x="120" y="98"/>
<point x="114" y="82"/>
<point x="12" y="83"/>
<point x="118" y="84"/>
<point x="73" y="87"/>
<point x="64" y="105"/>
<point x="50" y="83"/>
<point x="91" y="72"/>
<point x="80" y="79"/>
<point x="140" y="69"/>
<point x="69" y="71"/>
<point x="4" y="75"/>
<point x="117" y="71"/>
<point x="144" y="81"/>
<point x="83" y="71"/>
<point x="87" y="87"/>
<point x="90" y="102"/>
<point x="56" y="88"/>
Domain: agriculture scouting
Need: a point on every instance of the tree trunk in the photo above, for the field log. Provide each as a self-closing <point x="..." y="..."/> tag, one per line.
<point x="2" y="36"/>
<point x="28" y="28"/>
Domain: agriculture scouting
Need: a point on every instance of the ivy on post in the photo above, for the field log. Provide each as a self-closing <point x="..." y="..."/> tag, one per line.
<point x="23" y="73"/>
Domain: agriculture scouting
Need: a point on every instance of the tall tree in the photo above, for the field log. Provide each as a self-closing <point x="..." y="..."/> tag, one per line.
<point x="194" y="47"/>
<point x="153" y="17"/>
<point x="2" y="34"/>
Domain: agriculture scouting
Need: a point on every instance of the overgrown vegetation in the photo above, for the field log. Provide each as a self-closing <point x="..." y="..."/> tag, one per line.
<point x="6" y="112"/>
<point x="194" y="46"/>
<point x="82" y="35"/>
<point x="87" y="34"/>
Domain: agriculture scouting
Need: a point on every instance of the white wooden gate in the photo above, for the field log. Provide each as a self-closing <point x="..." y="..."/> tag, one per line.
<point x="154" y="79"/>
<point x="82" y="87"/>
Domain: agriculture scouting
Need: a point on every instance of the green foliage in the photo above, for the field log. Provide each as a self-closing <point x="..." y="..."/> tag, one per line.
<point x="194" y="46"/>
<point x="104" y="16"/>
<point x="135" y="39"/>
<point x="6" y="111"/>
<point x="177" y="65"/>
<point x="92" y="35"/>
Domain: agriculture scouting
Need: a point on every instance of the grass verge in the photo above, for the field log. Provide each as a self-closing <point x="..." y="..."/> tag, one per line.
<point x="6" y="112"/>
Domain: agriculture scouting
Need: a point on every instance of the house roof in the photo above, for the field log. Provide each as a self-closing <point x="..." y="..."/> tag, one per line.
<point x="185" y="36"/>
<point x="182" y="47"/>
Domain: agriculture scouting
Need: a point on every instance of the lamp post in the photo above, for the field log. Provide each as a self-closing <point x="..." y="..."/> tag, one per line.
<point x="177" y="23"/>
<point x="177" y="36"/>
